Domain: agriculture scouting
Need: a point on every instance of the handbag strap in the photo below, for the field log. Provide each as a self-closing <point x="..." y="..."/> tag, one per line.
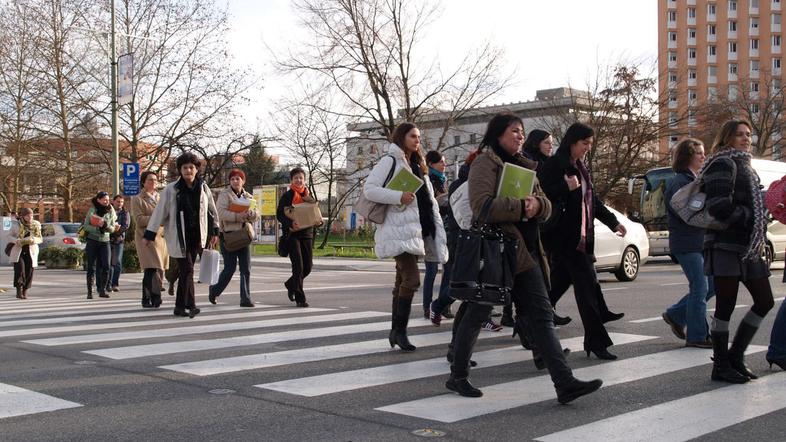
<point x="484" y="212"/>
<point x="392" y="169"/>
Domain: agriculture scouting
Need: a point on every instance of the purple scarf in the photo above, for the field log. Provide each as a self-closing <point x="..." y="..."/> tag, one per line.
<point x="587" y="213"/>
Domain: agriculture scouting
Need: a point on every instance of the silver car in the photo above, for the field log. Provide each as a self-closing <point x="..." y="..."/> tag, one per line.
<point x="61" y="234"/>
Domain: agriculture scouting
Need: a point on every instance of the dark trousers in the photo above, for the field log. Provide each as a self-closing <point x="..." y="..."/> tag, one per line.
<point x="530" y="297"/>
<point x="97" y="263"/>
<point x="151" y="286"/>
<point x="444" y="300"/>
<point x="578" y="269"/>
<point x="23" y="270"/>
<point x="185" y="280"/>
<point x="407" y="276"/>
<point x="115" y="265"/>
<point x="231" y="260"/>
<point x="301" y="257"/>
<point x="172" y="272"/>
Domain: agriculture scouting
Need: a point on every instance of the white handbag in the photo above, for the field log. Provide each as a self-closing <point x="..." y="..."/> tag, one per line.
<point x="208" y="267"/>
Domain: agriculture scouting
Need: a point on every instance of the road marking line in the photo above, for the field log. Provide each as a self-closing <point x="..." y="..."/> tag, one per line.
<point x="299" y="356"/>
<point x="674" y="283"/>
<point x="687" y="418"/>
<point x="98" y="304"/>
<point x="659" y="318"/>
<point x="453" y="408"/>
<point x="196" y="328"/>
<point x="16" y="401"/>
<point x="80" y="339"/>
<point x="388" y="374"/>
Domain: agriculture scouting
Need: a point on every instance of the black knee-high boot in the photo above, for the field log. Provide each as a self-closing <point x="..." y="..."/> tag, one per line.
<point x="721" y="368"/>
<point x="402" y="309"/>
<point x="742" y="339"/>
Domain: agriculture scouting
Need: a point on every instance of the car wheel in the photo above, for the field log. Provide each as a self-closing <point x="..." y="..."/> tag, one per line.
<point x="629" y="266"/>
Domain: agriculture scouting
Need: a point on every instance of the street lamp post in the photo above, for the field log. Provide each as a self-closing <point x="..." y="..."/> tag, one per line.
<point x="115" y="149"/>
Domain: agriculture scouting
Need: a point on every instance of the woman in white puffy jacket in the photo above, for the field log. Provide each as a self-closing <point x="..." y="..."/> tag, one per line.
<point x="412" y="226"/>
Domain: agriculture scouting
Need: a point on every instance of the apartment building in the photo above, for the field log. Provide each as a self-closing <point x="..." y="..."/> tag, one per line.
<point x="711" y="49"/>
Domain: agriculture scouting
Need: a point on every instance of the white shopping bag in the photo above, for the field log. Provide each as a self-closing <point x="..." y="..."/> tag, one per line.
<point x="208" y="267"/>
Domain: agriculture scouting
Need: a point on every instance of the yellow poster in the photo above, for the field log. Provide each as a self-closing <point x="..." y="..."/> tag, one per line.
<point x="266" y="200"/>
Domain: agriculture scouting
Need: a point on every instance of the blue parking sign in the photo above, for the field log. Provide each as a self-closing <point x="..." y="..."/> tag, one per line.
<point x="130" y="179"/>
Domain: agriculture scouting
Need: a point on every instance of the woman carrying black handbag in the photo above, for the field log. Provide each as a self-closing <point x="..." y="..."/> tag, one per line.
<point x="517" y="218"/>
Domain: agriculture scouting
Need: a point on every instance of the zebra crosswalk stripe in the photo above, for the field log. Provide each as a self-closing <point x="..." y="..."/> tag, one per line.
<point x="387" y="374"/>
<point x="686" y="418"/>
<point x="16" y="401"/>
<point x="453" y="408"/>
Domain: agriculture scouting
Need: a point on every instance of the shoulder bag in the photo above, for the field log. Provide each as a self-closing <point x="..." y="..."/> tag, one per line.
<point x="775" y="198"/>
<point x="486" y="262"/>
<point x="238" y="239"/>
<point x="689" y="205"/>
<point x="371" y="210"/>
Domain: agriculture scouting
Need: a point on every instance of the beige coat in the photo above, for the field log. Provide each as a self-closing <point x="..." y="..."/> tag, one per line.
<point x="33" y="241"/>
<point x="484" y="175"/>
<point x="153" y="255"/>
<point x="231" y="221"/>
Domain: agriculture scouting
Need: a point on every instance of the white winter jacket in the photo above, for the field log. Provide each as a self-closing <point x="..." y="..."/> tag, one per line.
<point x="401" y="231"/>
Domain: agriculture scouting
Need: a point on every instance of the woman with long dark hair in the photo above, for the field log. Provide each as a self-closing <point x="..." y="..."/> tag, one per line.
<point x="299" y="242"/>
<point x="411" y="226"/>
<point x="435" y="162"/>
<point x="686" y="243"/>
<point x="519" y="219"/>
<point x="567" y="181"/>
<point x="99" y="223"/>
<point x="538" y="146"/>
<point x="26" y="236"/>
<point x="188" y="213"/>
<point x="734" y="255"/>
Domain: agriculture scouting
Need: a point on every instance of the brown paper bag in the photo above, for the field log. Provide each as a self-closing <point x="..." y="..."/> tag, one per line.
<point x="305" y="214"/>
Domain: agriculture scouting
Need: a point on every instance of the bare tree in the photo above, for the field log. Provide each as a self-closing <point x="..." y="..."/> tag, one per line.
<point x="368" y="51"/>
<point x="757" y="100"/>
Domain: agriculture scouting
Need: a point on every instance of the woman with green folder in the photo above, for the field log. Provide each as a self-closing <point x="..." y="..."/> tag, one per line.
<point x="412" y="223"/>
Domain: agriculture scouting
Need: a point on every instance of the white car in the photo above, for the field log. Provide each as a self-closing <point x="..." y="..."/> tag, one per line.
<point x="621" y="255"/>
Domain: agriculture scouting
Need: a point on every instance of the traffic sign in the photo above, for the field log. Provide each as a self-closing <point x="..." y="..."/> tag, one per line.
<point x="130" y="179"/>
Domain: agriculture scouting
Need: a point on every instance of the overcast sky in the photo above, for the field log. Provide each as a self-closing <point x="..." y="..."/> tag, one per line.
<point x="551" y="43"/>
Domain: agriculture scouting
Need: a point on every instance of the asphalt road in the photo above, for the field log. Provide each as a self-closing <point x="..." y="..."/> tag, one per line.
<point x="73" y="369"/>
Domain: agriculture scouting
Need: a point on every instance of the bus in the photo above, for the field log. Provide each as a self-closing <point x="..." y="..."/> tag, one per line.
<point x="652" y="207"/>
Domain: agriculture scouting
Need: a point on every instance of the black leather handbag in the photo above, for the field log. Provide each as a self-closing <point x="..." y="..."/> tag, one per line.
<point x="486" y="262"/>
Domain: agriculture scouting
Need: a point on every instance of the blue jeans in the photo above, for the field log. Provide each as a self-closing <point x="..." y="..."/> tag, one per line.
<point x="230" y="264"/>
<point x="777" y="348"/>
<point x="691" y="310"/>
<point x="428" y="283"/>
<point x="115" y="265"/>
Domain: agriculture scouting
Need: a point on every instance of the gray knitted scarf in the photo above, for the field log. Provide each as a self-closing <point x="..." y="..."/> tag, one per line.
<point x="758" y="234"/>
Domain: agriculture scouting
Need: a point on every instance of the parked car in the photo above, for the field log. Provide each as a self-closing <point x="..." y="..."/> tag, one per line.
<point x="621" y="255"/>
<point x="64" y="235"/>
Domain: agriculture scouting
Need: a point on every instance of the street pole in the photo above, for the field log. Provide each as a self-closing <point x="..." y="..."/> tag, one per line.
<point x="115" y="150"/>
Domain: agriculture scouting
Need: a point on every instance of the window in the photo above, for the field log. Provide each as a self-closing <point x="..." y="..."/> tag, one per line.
<point x="754" y="23"/>
<point x="776" y="19"/>
<point x="47" y="230"/>
<point x="373" y="149"/>
<point x="755" y="44"/>
<point x="672" y="57"/>
<point x="711" y="9"/>
<point x="754" y="108"/>
<point x="754" y="65"/>
<point x="472" y="138"/>
<point x="776" y="63"/>
<point x="732" y="25"/>
<point x="754" y="86"/>
<point x="711" y="29"/>
<point x="457" y="139"/>
<point x="673" y="36"/>
<point x="672" y="15"/>
<point x="733" y="68"/>
<point x="692" y="13"/>
<point x="691" y="53"/>
<point x="672" y="97"/>
<point x="360" y="150"/>
<point x="673" y="139"/>
<point x="755" y="4"/>
<point x="776" y="40"/>
<point x="712" y="92"/>
<point x="672" y="77"/>
<point x="692" y="94"/>
<point x="692" y="33"/>
<point x="732" y="6"/>
<point x="691" y="74"/>
<point x="732" y="47"/>
<point x="712" y="50"/>
<point x="712" y="71"/>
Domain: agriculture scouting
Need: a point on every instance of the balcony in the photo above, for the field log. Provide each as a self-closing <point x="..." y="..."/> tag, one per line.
<point x="672" y="104"/>
<point x="776" y="71"/>
<point x="732" y="14"/>
<point x="712" y="59"/>
<point x="690" y="2"/>
<point x="691" y="82"/>
<point x="732" y="56"/>
<point x="754" y="74"/>
<point x="672" y="64"/>
<point x="732" y="34"/>
<point x="712" y="79"/>
<point x="732" y="77"/>
<point x="691" y="21"/>
<point x="753" y="53"/>
<point x="711" y="38"/>
<point x="776" y="27"/>
<point x="672" y="44"/>
<point x="671" y="24"/>
<point x="775" y="6"/>
<point x="753" y="31"/>
<point x="691" y="41"/>
<point x="775" y="49"/>
<point x="691" y="62"/>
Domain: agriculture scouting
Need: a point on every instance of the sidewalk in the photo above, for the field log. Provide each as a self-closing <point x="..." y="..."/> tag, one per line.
<point x="327" y="263"/>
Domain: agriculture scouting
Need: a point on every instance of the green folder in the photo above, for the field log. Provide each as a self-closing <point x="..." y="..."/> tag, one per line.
<point x="405" y="181"/>
<point x="516" y="182"/>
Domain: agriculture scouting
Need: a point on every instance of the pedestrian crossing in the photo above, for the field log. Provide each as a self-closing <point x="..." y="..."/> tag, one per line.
<point x="353" y="357"/>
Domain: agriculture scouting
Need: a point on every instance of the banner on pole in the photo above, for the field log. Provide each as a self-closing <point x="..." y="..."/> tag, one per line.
<point x="125" y="78"/>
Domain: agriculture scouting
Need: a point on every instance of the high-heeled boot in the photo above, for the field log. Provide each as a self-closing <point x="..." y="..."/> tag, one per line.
<point x="90" y="282"/>
<point x="742" y="339"/>
<point x="721" y="368"/>
<point x="403" y="309"/>
<point x="393" y="322"/>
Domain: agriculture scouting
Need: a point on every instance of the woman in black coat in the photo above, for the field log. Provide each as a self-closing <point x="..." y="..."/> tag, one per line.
<point x="568" y="184"/>
<point x="298" y="242"/>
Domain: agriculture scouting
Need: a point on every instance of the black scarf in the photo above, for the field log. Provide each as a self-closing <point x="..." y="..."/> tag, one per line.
<point x="425" y="206"/>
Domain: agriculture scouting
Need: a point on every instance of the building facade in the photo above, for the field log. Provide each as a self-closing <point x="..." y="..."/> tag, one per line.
<point x="716" y="50"/>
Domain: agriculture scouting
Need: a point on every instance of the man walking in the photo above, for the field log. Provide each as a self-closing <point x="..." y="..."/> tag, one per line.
<point x="117" y="241"/>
